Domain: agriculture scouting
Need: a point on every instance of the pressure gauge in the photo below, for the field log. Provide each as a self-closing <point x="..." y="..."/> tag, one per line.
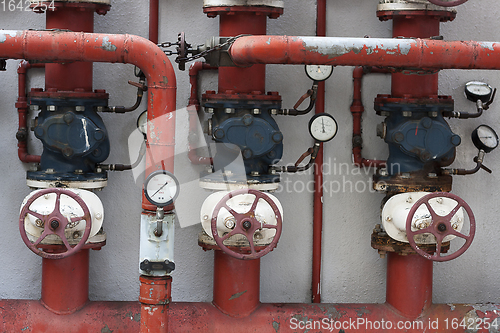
<point x="323" y="127"/>
<point x="476" y="90"/>
<point x="319" y="72"/>
<point x="142" y="122"/>
<point x="161" y="188"/>
<point x="485" y="138"/>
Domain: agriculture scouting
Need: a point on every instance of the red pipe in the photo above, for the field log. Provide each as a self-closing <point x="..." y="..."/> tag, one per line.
<point x="22" y="109"/>
<point x="236" y="285"/>
<point x="154" y="11"/>
<point x="384" y="52"/>
<point x="65" y="283"/>
<point x="247" y="80"/>
<point x="155" y="297"/>
<point x="409" y="284"/>
<point x="62" y="76"/>
<point x="318" y="174"/>
<point x="357" y="110"/>
<point x="369" y="318"/>
<point x="193" y="110"/>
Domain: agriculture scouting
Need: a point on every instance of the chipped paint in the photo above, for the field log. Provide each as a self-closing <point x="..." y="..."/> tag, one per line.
<point x="452" y="307"/>
<point x="268" y="41"/>
<point x="336" y="47"/>
<point x="106" y="329"/>
<point x="235" y="296"/>
<point x="486" y="308"/>
<point x="107" y="45"/>
<point x="487" y="45"/>
<point x="276" y="326"/>
<point x="5" y="33"/>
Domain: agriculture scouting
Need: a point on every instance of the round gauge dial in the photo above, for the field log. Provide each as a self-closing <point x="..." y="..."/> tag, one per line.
<point x="161" y="188"/>
<point x="319" y="72"/>
<point x="323" y="127"/>
<point x="485" y="138"/>
<point x="476" y="90"/>
<point x="142" y="122"/>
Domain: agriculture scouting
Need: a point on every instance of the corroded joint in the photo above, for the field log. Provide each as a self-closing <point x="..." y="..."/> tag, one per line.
<point x="155" y="290"/>
<point x="357" y="141"/>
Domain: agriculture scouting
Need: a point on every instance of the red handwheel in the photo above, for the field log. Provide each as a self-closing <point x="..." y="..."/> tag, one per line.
<point x="440" y="226"/>
<point x="55" y="223"/>
<point x="444" y="3"/>
<point x="246" y="225"/>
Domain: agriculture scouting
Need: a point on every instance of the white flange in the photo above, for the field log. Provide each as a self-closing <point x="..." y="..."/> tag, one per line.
<point x="241" y="204"/>
<point x="396" y="209"/>
<point x="227" y="186"/>
<point x="231" y="3"/>
<point x="70" y="208"/>
<point x="90" y="184"/>
<point x="398" y="5"/>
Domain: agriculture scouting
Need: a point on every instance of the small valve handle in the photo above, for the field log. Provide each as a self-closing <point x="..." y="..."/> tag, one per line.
<point x="55" y="224"/>
<point x="440" y="226"/>
<point x="246" y="225"/>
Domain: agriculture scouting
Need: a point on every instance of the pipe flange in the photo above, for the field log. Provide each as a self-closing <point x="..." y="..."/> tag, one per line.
<point x="232" y="3"/>
<point x="388" y="9"/>
<point x="271" y="8"/>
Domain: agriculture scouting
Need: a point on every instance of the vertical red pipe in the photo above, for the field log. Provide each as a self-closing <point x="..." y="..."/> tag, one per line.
<point x="318" y="173"/>
<point x="73" y="75"/>
<point x="236" y="79"/>
<point x="409" y="284"/>
<point x="154" y="9"/>
<point x="236" y="284"/>
<point x="65" y="283"/>
<point x="155" y="297"/>
<point x="415" y="85"/>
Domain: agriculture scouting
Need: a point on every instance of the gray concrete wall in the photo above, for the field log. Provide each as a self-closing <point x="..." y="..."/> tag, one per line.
<point x="352" y="270"/>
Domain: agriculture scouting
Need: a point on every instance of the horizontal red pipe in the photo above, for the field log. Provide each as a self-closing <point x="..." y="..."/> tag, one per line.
<point x="386" y="52"/>
<point x="57" y="46"/>
<point x="31" y="316"/>
<point x="284" y="318"/>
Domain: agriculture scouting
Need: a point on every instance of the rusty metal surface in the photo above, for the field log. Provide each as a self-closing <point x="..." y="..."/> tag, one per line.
<point x="387" y="52"/>
<point x="383" y="243"/>
<point x="415" y="182"/>
<point x="271" y="12"/>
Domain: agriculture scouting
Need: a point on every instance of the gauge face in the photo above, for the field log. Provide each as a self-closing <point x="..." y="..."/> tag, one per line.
<point x="485" y="138"/>
<point x="476" y="90"/>
<point x="142" y="122"/>
<point x="161" y="188"/>
<point x="323" y="127"/>
<point x="319" y="72"/>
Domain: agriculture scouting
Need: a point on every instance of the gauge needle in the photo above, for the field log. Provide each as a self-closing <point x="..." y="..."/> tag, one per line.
<point x="160" y="188"/>
<point x="323" y="125"/>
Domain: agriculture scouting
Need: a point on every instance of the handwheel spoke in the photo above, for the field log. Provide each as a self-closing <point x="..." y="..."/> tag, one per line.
<point x="44" y="234"/>
<point x="254" y="204"/>
<point x="238" y="216"/>
<point x="252" y="245"/>
<point x="232" y="233"/>
<point x="58" y="203"/>
<point x="62" y="235"/>
<point x="438" y="248"/>
<point x="37" y="215"/>
<point x="75" y="219"/>
<point x="269" y="226"/>
<point x="458" y="234"/>
<point x="453" y="212"/>
<point x="431" y="210"/>
<point x="427" y="230"/>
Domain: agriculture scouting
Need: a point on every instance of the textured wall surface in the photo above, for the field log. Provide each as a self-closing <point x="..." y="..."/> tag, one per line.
<point x="352" y="270"/>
